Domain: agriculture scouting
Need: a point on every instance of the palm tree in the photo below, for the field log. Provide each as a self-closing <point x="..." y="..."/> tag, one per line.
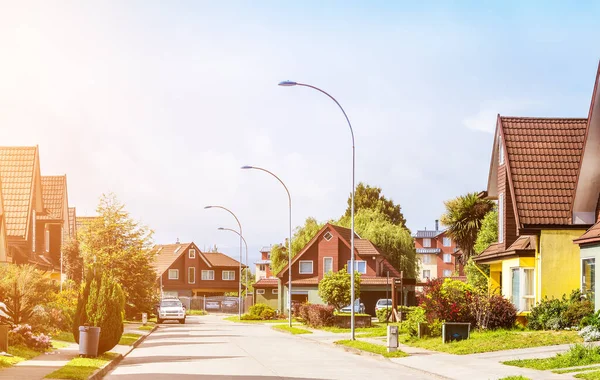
<point x="464" y="216"/>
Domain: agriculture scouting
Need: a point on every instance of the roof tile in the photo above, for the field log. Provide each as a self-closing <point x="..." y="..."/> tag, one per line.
<point x="54" y="193"/>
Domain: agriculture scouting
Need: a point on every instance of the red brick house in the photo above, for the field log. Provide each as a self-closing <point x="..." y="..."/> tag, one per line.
<point x="184" y="271"/>
<point x="436" y="253"/>
<point x="263" y="266"/>
<point x="329" y="250"/>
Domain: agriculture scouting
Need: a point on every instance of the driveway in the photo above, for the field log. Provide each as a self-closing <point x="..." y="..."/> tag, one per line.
<point x="209" y="348"/>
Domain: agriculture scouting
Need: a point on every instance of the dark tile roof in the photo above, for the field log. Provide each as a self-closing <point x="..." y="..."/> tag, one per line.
<point x="218" y="259"/>
<point x="166" y="256"/>
<point x="344" y="232"/>
<point x="543" y="155"/>
<point x="54" y="193"/>
<point x="365" y="247"/>
<point x="266" y="283"/>
<point x="590" y="236"/>
<point x="428" y="234"/>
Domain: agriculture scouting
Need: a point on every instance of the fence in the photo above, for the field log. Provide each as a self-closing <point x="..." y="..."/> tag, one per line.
<point x="217" y="304"/>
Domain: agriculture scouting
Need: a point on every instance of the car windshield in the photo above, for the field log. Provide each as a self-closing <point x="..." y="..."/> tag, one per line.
<point x="170" y="304"/>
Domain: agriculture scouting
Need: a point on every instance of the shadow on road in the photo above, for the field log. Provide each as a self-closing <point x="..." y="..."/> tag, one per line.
<point x="161" y="376"/>
<point x="129" y="361"/>
<point x="180" y="343"/>
<point x="191" y="335"/>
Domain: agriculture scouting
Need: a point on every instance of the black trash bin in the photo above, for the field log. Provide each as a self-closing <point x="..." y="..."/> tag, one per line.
<point x="89" y="337"/>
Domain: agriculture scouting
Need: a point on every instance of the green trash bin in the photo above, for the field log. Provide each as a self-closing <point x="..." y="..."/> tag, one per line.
<point x="89" y="337"/>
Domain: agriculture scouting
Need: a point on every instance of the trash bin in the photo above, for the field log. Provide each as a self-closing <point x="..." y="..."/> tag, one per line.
<point x="89" y="337"/>
<point x="144" y="318"/>
<point x="4" y="338"/>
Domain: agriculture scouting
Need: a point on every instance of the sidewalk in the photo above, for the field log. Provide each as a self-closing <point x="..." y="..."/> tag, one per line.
<point x="40" y="366"/>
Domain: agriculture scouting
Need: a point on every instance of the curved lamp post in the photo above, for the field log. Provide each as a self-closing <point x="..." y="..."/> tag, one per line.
<point x="288" y="83"/>
<point x="289" y="240"/>
<point x="240" y="226"/>
<point x="246" y="244"/>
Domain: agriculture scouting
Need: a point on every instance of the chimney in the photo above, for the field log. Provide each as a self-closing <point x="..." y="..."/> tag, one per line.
<point x="437" y="225"/>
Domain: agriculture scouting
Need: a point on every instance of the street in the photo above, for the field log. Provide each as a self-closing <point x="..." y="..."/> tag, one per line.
<point x="210" y="348"/>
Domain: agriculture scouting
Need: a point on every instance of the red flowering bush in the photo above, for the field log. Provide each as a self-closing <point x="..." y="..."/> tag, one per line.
<point x="503" y="313"/>
<point x="317" y="315"/>
<point x="22" y="335"/>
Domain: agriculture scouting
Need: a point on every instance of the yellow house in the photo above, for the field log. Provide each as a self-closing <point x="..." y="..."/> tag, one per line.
<point x="545" y="176"/>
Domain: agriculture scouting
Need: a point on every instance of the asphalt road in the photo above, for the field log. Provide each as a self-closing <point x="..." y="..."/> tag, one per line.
<point x="210" y="348"/>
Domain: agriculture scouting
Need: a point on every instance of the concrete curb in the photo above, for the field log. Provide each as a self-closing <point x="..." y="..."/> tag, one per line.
<point x="101" y="372"/>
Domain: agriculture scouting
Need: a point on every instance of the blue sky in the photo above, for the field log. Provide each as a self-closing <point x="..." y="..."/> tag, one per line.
<point x="161" y="102"/>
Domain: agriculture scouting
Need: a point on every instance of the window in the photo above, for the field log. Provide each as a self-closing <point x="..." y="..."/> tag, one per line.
<point x="426" y="259"/>
<point x="228" y="275"/>
<point x="522" y="288"/>
<point x="427" y="243"/>
<point x="47" y="239"/>
<point x="260" y="291"/>
<point x="327" y="264"/>
<point x="500" y="151"/>
<point x="500" y="217"/>
<point x="173" y="274"/>
<point x="306" y="267"/>
<point x="191" y="275"/>
<point x="426" y="273"/>
<point x="261" y="267"/>
<point x="208" y="274"/>
<point x="359" y="266"/>
<point x="327" y="236"/>
<point x="588" y="276"/>
<point x="192" y="254"/>
<point x="275" y="291"/>
<point x="447" y="273"/>
<point x="447" y="242"/>
<point x="447" y="258"/>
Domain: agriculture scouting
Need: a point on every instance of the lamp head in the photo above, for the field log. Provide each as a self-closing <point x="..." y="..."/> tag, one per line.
<point x="247" y="167"/>
<point x="287" y="83"/>
<point x="220" y="228"/>
<point x="205" y="207"/>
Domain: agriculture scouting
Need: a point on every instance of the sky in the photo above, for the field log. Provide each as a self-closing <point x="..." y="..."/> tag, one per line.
<point x="161" y="103"/>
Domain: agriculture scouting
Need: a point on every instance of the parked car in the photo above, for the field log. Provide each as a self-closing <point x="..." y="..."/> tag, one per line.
<point x="359" y="307"/>
<point x="230" y="304"/>
<point x="383" y="303"/>
<point x="212" y="305"/>
<point x="171" y="309"/>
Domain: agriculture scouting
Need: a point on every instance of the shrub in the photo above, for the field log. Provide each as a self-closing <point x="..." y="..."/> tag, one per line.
<point x="447" y="300"/>
<point x="258" y="308"/>
<point x="590" y="333"/>
<point x="576" y="311"/>
<point x="23" y="335"/>
<point x="503" y="313"/>
<point x="261" y="311"/>
<point x="334" y="288"/>
<point x="382" y="314"/>
<point x="267" y="314"/>
<point x="22" y="288"/>
<point x="411" y="324"/>
<point x="555" y="314"/>
<point x="317" y="315"/>
<point x="250" y="317"/>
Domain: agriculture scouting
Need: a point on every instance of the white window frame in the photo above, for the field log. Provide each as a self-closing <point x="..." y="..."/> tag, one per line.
<point x="229" y="277"/>
<point x="194" y="276"/>
<point x="426" y="259"/>
<point x="582" y="275"/>
<point x="311" y="267"/>
<point x="447" y="273"/>
<point x="260" y="291"/>
<point x="500" y="151"/>
<point x="447" y="255"/>
<point x="207" y="272"/>
<point x="327" y="236"/>
<point x="274" y="291"/>
<point x="428" y="272"/>
<point x="47" y="238"/>
<point x="525" y="301"/>
<point x="175" y="272"/>
<point x="356" y="262"/>
<point x="325" y="266"/>
<point x="447" y="240"/>
<point x="426" y="243"/>
<point x="192" y="254"/>
<point x="500" y="217"/>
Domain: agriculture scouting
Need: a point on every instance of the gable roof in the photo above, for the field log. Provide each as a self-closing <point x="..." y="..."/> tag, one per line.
<point x="20" y="175"/>
<point x="218" y="259"/>
<point x="428" y="233"/>
<point x="524" y="246"/>
<point x="72" y="222"/>
<point x="592" y="235"/>
<point x="166" y="255"/>
<point x="542" y="157"/>
<point x="54" y="194"/>
<point x="266" y="283"/>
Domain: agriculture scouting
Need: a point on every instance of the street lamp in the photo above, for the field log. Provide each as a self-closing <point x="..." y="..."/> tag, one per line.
<point x="240" y="226"/>
<point x="288" y="83"/>
<point x="289" y="240"/>
<point x="246" y="244"/>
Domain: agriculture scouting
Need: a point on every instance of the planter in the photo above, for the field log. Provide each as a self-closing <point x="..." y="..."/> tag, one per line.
<point x="343" y="321"/>
<point x="455" y="331"/>
<point x="89" y="337"/>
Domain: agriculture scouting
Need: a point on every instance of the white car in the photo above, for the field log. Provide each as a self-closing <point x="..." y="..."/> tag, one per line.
<point x="359" y="307"/>
<point x="171" y="310"/>
<point x="383" y="304"/>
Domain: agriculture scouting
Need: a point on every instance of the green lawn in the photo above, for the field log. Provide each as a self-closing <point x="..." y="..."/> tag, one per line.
<point x="376" y="329"/>
<point x="20" y="353"/>
<point x="81" y="368"/>
<point x="129" y="339"/>
<point x="145" y="328"/>
<point x="235" y="318"/>
<point x="571" y="370"/>
<point x="488" y="341"/>
<point x="515" y="378"/>
<point x="589" y="375"/>
<point x="578" y="355"/>
<point x="370" y="347"/>
<point x="59" y="344"/>
<point x="196" y="312"/>
<point x="65" y="336"/>
<point x="292" y="330"/>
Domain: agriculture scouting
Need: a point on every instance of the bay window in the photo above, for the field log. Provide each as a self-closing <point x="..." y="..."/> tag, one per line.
<point x="522" y="288"/>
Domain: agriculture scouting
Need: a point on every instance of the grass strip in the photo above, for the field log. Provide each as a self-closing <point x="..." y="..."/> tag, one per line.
<point x="235" y="318"/>
<point x="571" y="370"/>
<point x="65" y="336"/>
<point x="589" y="375"/>
<point x="57" y="344"/>
<point x="515" y="378"/>
<point x="291" y="330"/>
<point x="145" y="328"/>
<point x="129" y="339"/>
<point x="578" y="355"/>
<point x="370" y="347"/>
<point x="81" y="368"/>
<point x="20" y="353"/>
<point x="196" y="312"/>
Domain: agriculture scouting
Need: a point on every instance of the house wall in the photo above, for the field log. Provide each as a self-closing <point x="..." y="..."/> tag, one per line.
<point x="260" y="273"/>
<point x="268" y="298"/>
<point x="507" y="265"/>
<point x="433" y="267"/>
<point x="589" y="252"/>
<point x="560" y="262"/>
<point x="495" y="283"/>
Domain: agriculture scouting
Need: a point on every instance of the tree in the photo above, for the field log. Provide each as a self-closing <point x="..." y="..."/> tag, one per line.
<point x="251" y="280"/>
<point x="367" y="197"/>
<point x="334" y="288"/>
<point x="463" y="217"/>
<point x="22" y="288"/>
<point x="393" y="240"/>
<point x="488" y="234"/>
<point x="72" y="261"/>
<point x="302" y="235"/>
<point x="117" y="245"/>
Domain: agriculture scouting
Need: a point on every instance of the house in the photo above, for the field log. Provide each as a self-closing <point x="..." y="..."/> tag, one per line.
<point x="184" y="271"/>
<point x="22" y="204"/>
<point x="329" y="250"/>
<point x="589" y="245"/>
<point x="545" y="176"/>
<point x="436" y="253"/>
<point x="263" y="266"/>
<point x="53" y="226"/>
<point x="266" y="291"/>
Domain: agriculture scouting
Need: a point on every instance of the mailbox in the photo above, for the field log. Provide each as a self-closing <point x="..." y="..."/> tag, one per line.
<point x="392" y="338"/>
